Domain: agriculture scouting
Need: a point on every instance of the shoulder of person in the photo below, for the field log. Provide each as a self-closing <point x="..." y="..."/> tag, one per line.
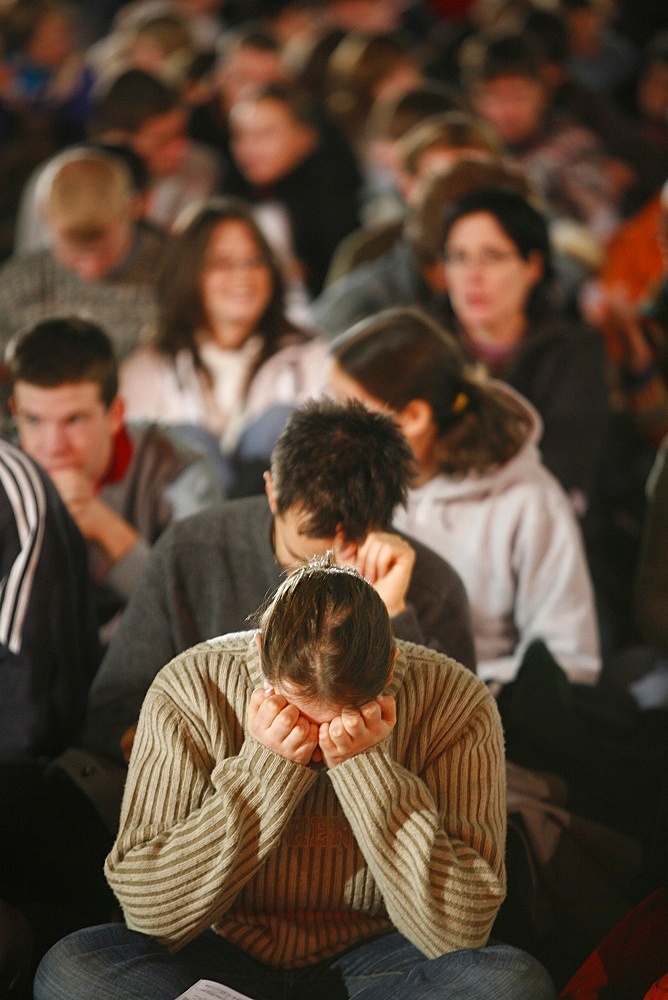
<point x="437" y="676"/>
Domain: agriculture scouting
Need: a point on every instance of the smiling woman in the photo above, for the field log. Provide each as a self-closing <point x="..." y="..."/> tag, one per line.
<point x="224" y="351"/>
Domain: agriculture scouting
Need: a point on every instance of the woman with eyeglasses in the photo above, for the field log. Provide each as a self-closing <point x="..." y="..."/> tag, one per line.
<point x="225" y="354"/>
<point x="503" y="306"/>
<point x="482" y="497"/>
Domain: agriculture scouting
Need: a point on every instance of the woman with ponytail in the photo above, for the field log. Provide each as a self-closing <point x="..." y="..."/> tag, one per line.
<point x="482" y="497"/>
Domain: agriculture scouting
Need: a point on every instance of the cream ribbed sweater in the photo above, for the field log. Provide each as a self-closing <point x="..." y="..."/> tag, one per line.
<point x="292" y="864"/>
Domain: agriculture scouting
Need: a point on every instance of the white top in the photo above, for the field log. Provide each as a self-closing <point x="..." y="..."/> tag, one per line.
<point x="512" y="537"/>
<point x="155" y="388"/>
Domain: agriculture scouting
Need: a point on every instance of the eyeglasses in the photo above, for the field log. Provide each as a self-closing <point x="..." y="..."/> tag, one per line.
<point x="228" y="265"/>
<point x="487" y="259"/>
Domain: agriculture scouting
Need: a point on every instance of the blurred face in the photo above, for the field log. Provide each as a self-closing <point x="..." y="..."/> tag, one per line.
<point x="197" y="8"/>
<point x="488" y="281"/>
<point x="365" y="15"/>
<point x="513" y="105"/>
<point x="148" y="54"/>
<point x="292" y="545"/>
<point x="91" y="259"/>
<point x="52" y="41"/>
<point x="67" y="427"/>
<point x="267" y="142"/>
<point x="244" y="70"/>
<point x="236" y="283"/>
<point x="404" y="77"/>
<point x="162" y="142"/>
<point x="653" y="92"/>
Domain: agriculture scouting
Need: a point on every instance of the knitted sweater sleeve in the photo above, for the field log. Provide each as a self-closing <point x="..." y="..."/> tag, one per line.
<point x="434" y="841"/>
<point x="202" y="807"/>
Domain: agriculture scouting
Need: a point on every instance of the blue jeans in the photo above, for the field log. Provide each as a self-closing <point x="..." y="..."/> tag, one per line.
<point x="113" y="963"/>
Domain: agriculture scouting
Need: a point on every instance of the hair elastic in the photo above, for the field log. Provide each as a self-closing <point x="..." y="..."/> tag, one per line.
<point x="461" y="401"/>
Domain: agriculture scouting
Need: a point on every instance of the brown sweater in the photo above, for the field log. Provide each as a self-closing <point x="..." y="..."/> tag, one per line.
<point x="292" y="864"/>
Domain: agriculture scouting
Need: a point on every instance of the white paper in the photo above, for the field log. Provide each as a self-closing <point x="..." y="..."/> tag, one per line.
<point x="205" y="989"/>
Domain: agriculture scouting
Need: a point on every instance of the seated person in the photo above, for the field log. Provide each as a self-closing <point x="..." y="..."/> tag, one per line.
<point x="143" y="112"/>
<point x="286" y="162"/>
<point x="635" y="327"/>
<point x="433" y="145"/>
<point x="501" y="305"/>
<point x="411" y="271"/>
<point x="99" y="261"/>
<point x="318" y="737"/>
<point x="338" y="473"/>
<point x="247" y="57"/>
<point x="224" y="353"/>
<point x="481" y="496"/>
<point x="48" y="634"/>
<point x="565" y="160"/>
<point x="139" y="111"/>
<point x="122" y="484"/>
<point x="389" y="120"/>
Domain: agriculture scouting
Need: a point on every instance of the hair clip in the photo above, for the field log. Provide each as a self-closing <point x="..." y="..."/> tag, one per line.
<point x="460" y="403"/>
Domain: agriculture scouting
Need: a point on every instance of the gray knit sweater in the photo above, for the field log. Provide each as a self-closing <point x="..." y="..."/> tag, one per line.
<point x="292" y="864"/>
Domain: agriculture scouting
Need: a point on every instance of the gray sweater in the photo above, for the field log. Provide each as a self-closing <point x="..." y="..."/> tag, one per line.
<point x="206" y="576"/>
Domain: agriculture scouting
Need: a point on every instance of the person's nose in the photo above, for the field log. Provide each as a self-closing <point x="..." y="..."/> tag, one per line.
<point x="54" y="440"/>
<point x="90" y="268"/>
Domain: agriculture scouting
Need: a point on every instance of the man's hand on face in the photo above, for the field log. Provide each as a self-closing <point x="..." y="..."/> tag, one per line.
<point x="384" y="559"/>
<point x="278" y="725"/>
<point x="357" y="729"/>
<point x="281" y="727"/>
<point x="96" y="521"/>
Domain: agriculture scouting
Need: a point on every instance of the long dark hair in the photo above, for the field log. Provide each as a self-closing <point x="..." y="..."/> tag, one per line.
<point x="400" y="355"/>
<point x="181" y="310"/>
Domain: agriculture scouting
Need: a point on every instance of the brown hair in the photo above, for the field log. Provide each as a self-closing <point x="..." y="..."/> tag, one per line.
<point x="63" y="350"/>
<point x="181" y="307"/>
<point x="355" y="68"/>
<point x="328" y="633"/>
<point x="400" y="355"/>
<point x="454" y="130"/>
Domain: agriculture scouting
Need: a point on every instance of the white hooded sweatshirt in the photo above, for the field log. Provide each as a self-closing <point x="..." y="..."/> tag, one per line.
<point x="512" y="536"/>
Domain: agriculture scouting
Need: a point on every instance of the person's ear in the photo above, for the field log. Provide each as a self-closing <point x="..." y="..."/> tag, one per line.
<point x="536" y="265"/>
<point x="269" y="490"/>
<point x="257" y="638"/>
<point x="116" y="414"/>
<point x="434" y="275"/>
<point x="415" y="419"/>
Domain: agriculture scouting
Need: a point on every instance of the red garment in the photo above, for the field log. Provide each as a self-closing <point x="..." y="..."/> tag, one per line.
<point x="630" y="959"/>
<point x="120" y="459"/>
<point x="633" y="257"/>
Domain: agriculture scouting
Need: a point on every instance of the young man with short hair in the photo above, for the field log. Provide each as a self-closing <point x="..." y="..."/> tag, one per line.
<point x="122" y="484"/>
<point x="99" y="262"/>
